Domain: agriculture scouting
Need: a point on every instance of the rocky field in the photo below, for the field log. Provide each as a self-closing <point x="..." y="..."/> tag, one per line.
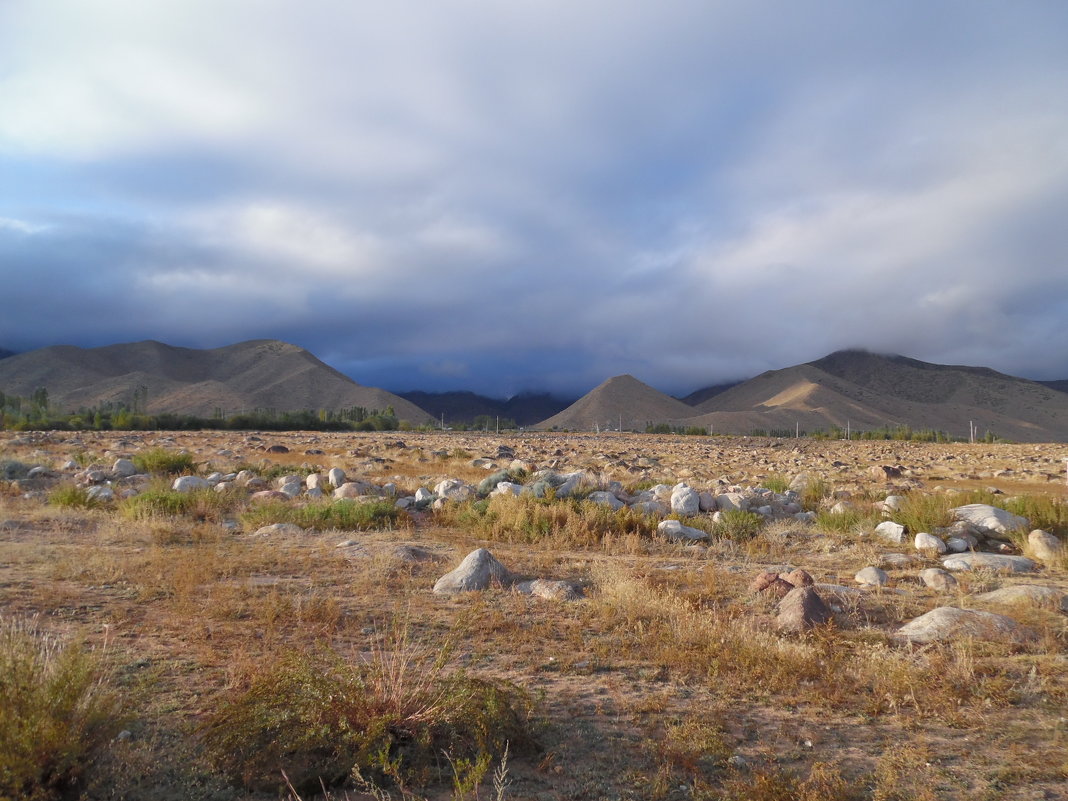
<point x="223" y="615"/>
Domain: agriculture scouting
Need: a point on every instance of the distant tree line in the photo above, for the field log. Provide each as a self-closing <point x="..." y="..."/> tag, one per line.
<point x="34" y="413"/>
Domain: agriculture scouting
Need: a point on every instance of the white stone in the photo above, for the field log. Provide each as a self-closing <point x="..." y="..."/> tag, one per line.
<point x="993" y="561"/>
<point x="958" y="545"/>
<point x="423" y="495"/>
<point x="189" y="483"/>
<point x="606" y="499"/>
<point x="354" y="489"/>
<point x="706" y="501"/>
<point x="732" y="501"/>
<point x="928" y="542"/>
<point x="313" y="481"/>
<point x="893" y="503"/>
<point x="100" y="493"/>
<point x="890" y="531"/>
<point x="507" y="488"/>
<point x="244" y="477"/>
<point x="1045" y="547"/>
<point x="336" y="476"/>
<point x="123" y="468"/>
<point x="685" y="501"/>
<point x="872" y="577"/>
<point x="989" y="519"/>
<point x="674" y="530"/>
<point x="452" y="489"/>
<point x="841" y="508"/>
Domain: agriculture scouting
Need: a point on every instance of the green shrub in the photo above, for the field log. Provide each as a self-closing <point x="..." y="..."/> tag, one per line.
<point x="396" y="718"/>
<point x="345" y="514"/>
<point x="776" y="482"/>
<point x="851" y="520"/>
<point x="165" y="462"/>
<point x="70" y="496"/>
<point x="739" y="526"/>
<point x="202" y="504"/>
<point x="56" y="712"/>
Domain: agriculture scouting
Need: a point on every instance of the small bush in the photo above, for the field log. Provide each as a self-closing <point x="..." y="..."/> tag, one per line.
<point x="71" y="497"/>
<point x="57" y="712"/>
<point x="165" y="462"/>
<point x="396" y="718"/>
<point x="738" y="525"/>
<point x="345" y="514"/>
<point x="201" y="505"/>
<point x="776" y="482"/>
<point x="10" y="469"/>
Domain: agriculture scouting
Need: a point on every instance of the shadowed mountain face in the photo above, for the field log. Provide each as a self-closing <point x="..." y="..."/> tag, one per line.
<point x="463" y="407"/>
<point x="699" y="396"/>
<point x="265" y="374"/>
<point x="1060" y="386"/>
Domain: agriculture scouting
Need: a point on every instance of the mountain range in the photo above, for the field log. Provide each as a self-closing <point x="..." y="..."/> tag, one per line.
<point x="848" y="388"/>
<point x="259" y="374"/>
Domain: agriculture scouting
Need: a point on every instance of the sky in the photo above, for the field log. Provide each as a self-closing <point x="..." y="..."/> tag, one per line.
<point x="535" y="194"/>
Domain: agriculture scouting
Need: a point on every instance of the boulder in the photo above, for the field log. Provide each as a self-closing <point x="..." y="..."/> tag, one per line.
<point x="606" y="499"/>
<point x="452" y="489"/>
<point x="925" y="542"/>
<point x="267" y="496"/>
<point x="732" y="501"/>
<point x="938" y="579"/>
<point x="1045" y="547"/>
<point x="949" y="622"/>
<point x="336" y="476"/>
<point x="354" y="489"/>
<point x="479" y="570"/>
<point x="799" y="578"/>
<point x="490" y="482"/>
<point x="872" y="577"/>
<point x="100" y="493"/>
<point x="685" y="501"/>
<point x="890" y="531"/>
<point x="988" y="519"/>
<point x="993" y="561"/>
<point x="123" y="468"/>
<point x="189" y="483"/>
<point x="801" y="609"/>
<point x="893" y="503"/>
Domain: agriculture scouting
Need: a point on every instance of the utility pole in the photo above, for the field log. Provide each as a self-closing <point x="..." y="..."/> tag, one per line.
<point x="797" y="430"/>
<point x="443" y="421"/>
<point x="621" y="424"/>
<point x="498" y="425"/>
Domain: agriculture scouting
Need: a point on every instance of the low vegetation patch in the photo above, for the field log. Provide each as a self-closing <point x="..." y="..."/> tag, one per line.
<point x="201" y="505"/>
<point x="399" y="718"/>
<point x="739" y="526"/>
<point x="56" y="711"/>
<point x="344" y="514"/>
<point x="162" y="461"/>
<point x="569" y="522"/>
<point x="70" y="496"/>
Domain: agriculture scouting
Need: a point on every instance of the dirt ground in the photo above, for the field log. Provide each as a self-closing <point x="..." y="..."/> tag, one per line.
<point x="667" y="680"/>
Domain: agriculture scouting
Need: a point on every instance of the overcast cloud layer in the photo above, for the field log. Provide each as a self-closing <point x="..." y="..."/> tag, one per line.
<point x="539" y="194"/>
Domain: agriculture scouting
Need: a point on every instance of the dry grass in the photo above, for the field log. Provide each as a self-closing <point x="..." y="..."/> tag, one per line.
<point x="648" y="688"/>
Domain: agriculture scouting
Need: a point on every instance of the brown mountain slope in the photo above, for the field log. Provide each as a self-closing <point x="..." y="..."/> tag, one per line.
<point x="623" y="398"/>
<point x="264" y="374"/>
<point x="869" y="391"/>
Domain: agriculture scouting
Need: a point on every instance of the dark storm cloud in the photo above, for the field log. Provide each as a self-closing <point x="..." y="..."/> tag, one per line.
<point x="501" y="197"/>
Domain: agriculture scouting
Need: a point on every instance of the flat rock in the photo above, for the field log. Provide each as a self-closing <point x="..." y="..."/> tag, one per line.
<point x="989" y="519"/>
<point x="993" y="561"/>
<point x="674" y="530"/>
<point x="479" y="570"/>
<point x="949" y="622"/>
<point x="550" y="590"/>
<point x="872" y="577"/>
<point x="275" y="529"/>
<point x="1029" y="594"/>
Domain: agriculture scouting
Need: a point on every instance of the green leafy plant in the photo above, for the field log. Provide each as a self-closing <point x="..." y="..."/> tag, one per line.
<point x="70" y="496"/>
<point x="164" y="461"/>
